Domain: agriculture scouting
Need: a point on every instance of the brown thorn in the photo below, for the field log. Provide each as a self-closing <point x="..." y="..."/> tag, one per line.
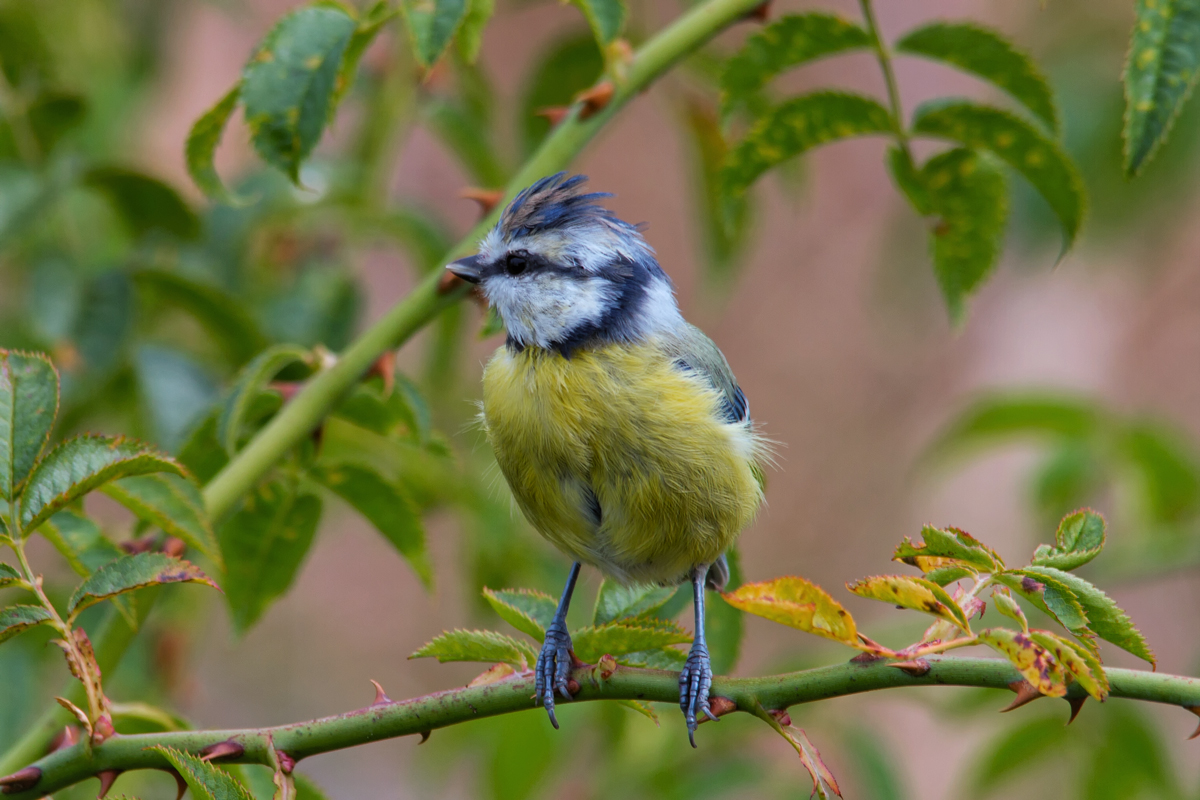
<point x="1076" y="704"/>
<point x="226" y="749"/>
<point x="286" y="762"/>
<point x="67" y="737"/>
<point x="107" y="778"/>
<point x="595" y="99"/>
<point x="1195" y="710"/>
<point x="385" y="368"/>
<point x="487" y="199"/>
<point x="424" y="737"/>
<point x="866" y="657"/>
<point x="720" y="706"/>
<point x="103" y="729"/>
<point x="918" y="667"/>
<point x="572" y="686"/>
<point x="174" y="547"/>
<point x="760" y="13"/>
<point x="555" y="114"/>
<point x="448" y="283"/>
<point x="1026" y="693"/>
<point x="381" y="697"/>
<point x="20" y="780"/>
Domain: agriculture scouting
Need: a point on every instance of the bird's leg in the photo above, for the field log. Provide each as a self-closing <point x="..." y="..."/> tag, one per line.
<point x="555" y="660"/>
<point x="696" y="678"/>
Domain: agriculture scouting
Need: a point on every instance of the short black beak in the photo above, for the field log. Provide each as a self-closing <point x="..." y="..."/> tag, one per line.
<point x="469" y="269"/>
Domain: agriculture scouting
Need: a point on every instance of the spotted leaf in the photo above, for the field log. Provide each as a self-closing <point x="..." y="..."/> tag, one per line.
<point x="1077" y="660"/>
<point x="15" y="619"/>
<point x="1160" y="71"/>
<point x="796" y="603"/>
<point x="1033" y="661"/>
<point x="130" y="573"/>
<point x="914" y="593"/>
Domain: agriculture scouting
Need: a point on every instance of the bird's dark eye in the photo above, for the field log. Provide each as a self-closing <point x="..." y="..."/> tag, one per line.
<point x="515" y="263"/>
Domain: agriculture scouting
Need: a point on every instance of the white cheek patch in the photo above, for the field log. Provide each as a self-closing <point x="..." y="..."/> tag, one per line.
<point x="545" y="308"/>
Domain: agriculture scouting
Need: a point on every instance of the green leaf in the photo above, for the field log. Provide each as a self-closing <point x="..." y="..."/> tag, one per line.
<point x="145" y="204"/>
<point x="264" y="544"/>
<point x="9" y="576"/>
<point x="485" y="646"/>
<point x="288" y="84"/>
<point x="914" y="593"/>
<point x="989" y="55"/>
<point x="1018" y="749"/>
<point x="15" y="619"/>
<point x="28" y="406"/>
<point x="616" y="602"/>
<point x="797" y="603"/>
<point x="130" y="573"/>
<point x="1080" y="538"/>
<point x="966" y="197"/>
<point x="725" y="222"/>
<point x="1032" y="660"/>
<point x="1160" y="71"/>
<point x="559" y="74"/>
<point x="944" y="576"/>
<point x="787" y="42"/>
<point x="387" y="507"/>
<point x="1052" y="597"/>
<point x="202" y="452"/>
<point x="373" y="21"/>
<point x="80" y="541"/>
<point x="201" y="147"/>
<point x="224" y="316"/>
<point x="527" y="610"/>
<point x="801" y="124"/>
<point x="619" y="638"/>
<point x="175" y="392"/>
<point x="79" y="465"/>
<point x="171" y="503"/>
<point x="253" y="378"/>
<point x="941" y="546"/>
<point x="105" y="322"/>
<point x="1166" y="464"/>
<point x="1104" y="617"/>
<point x="1015" y="141"/>
<point x="1077" y="660"/>
<point x="1013" y="417"/>
<point x="606" y="18"/>
<point x="470" y="35"/>
<point x="431" y="26"/>
<point x="206" y="781"/>
<point x="1009" y="607"/>
<point x="667" y="658"/>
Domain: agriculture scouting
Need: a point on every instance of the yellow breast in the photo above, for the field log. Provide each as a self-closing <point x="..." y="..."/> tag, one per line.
<point x="621" y="428"/>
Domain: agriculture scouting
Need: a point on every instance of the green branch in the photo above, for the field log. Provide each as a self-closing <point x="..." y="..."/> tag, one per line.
<point x="310" y="406"/>
<point x="389" y="719"/>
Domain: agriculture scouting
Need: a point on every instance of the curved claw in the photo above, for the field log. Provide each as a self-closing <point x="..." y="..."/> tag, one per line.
<point x="695" y="681"/>
<point x="553" y="669"/>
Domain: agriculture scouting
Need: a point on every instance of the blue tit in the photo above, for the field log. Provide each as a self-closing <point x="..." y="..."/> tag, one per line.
<point x="619" y="426"/>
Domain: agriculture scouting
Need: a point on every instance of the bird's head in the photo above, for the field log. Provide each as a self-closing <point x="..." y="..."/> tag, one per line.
<point x="564" y="272"/>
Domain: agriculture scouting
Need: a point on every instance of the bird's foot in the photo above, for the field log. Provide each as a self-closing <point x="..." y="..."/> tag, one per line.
<point x="553" y="668"/>
<point x="694" y="683"/>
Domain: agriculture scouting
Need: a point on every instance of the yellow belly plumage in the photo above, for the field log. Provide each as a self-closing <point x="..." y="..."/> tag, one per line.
<point x="675" y="482"/>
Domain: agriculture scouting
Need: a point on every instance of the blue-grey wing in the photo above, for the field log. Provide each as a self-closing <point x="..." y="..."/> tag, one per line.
<point x="695" y="352"/>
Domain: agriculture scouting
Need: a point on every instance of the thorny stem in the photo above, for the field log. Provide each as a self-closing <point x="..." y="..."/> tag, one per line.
<point x="389" y="719"/>
<point x="884" y="56"/>
<point x="304" y="412"/>
<point x="75" y="657"/>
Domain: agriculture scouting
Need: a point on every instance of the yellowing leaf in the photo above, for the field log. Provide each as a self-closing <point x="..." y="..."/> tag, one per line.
<point x="1077" y="660"/>
<point x="945" y="546"/>
<point x="796" y="603"/>
<point x="915" y="593"/>
<point x="1033" y="661"/>
<point x="825" y="786"/>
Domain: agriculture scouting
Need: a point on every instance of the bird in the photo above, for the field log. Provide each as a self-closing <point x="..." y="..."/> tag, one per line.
<point x="619" y="426"/>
